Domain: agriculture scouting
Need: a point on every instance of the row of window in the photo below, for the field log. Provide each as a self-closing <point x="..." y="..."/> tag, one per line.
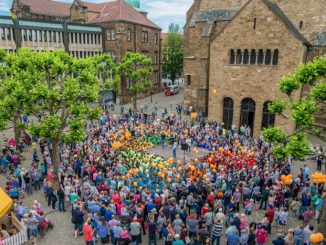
<point x="111" y="35"/>
<point x="85" y="38"/>
<point x="42" y="36"/>
<point x="55" y="36"/>
<point x="247" y="114"/>
<point x="6" y="33"/>
<point x="251" y="57"/>
<point x="83" y="54"/>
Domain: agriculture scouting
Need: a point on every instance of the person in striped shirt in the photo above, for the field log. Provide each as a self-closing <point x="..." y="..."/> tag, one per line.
<point x="217" y="232"/>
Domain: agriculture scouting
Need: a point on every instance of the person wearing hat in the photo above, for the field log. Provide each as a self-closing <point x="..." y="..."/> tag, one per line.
<point x="177" y="240"/>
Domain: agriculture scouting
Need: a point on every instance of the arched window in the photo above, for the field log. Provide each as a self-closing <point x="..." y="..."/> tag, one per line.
<point x="245" y="57"/>
<point x="268" y="117"/>
<point x="268" y="57"/>
<point x="227" y="112"/>
<point x="275" y="57"/>
<point x="247" y="113"/>
<point x="253" y="57"/>
<point x="239" y="57"/>
<point x="232" y="56"/>
<point x="260" y="59"/>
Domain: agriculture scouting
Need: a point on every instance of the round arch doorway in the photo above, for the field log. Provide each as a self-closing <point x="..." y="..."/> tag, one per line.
<point x="247" y="113"/>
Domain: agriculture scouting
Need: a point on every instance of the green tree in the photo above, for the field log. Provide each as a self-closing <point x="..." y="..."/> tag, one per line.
<point x="136" y="68"/>
<point x="17" y="76"/>
<point x="64" y="89"/>
<point x="107" y="71"/>
<point x="173" y="53"/>
<point x="301" y="111"/>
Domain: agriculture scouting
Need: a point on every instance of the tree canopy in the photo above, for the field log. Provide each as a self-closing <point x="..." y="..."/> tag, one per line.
<point x="173" y="53"/>
<point x="17" y="78"/>
<point x="137" y="70"/>
<point x="301" y="111"/>
<point x="55" y="86"/>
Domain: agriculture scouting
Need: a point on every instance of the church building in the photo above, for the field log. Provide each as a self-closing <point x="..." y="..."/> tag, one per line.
<point x="237" y="51"/>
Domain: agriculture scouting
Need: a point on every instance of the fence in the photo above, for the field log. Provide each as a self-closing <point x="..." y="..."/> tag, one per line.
<point x="20" y="237"/>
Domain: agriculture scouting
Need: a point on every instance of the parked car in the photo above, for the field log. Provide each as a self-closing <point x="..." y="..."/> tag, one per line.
<point x="171" y="90"/>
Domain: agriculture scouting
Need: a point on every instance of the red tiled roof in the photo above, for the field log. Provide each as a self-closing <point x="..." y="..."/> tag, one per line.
<point x="48" y="7"/>
<point x="109" y="11"/>
<point x="94" y="7"/>
<point x="119" y="10"/>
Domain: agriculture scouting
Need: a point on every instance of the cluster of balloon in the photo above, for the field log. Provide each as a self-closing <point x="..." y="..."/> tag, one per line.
<point x="318" y="178"/>
<point x="316" y="238"/>
<point x="170" y="160"/>
<point x="116" y="145"/>
<point x="195" y="150"/>
<point x="287" y="179"/>
<point x="193" y="115"/>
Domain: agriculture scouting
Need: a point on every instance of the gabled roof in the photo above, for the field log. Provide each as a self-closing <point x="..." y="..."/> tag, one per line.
<point x="94" y="7"/>
<point x="213" y="15"/>
<point x="273" y="7"/>
<point x="279" y="13"/>
<point x="48" y="7"/>
<point x="120" y="11"/>
<point x="320" y="39"/>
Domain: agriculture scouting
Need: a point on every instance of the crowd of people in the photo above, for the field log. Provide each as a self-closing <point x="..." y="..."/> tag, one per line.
<point x="118" y="193"/>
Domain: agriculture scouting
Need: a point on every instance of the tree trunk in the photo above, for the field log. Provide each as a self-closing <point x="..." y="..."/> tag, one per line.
<point x="134" y="102"/>
<point x="55" y="155"/>
<point x="322" y="224"/>
<point x="16" y="131"/>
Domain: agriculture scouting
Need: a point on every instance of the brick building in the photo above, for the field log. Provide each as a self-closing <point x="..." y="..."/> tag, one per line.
<point x="237" y="51"/>
<point x="123" y="25"/>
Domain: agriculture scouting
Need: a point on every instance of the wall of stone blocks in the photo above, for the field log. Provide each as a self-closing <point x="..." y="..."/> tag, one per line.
<point x="259" y="82"/>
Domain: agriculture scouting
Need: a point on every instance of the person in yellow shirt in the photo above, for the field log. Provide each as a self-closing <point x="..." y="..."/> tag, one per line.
<point x="34" y="145"/>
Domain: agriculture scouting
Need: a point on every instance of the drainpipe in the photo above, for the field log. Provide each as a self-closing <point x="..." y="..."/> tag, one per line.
<point x="308" y="48"/>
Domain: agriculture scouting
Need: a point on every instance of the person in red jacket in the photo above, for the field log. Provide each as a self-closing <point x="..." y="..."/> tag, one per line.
<point x="270" y="215"/>
<point x="262" y="235"/>
<point x="210" y="199"/>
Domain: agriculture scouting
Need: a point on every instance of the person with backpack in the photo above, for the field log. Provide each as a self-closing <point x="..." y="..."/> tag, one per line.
<point x="78" y="220"/>
<point x="61" y="197"/>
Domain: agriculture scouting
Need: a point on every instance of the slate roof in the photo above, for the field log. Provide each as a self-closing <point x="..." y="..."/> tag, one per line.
<point x="48" y="7"/>
<point x="320" y="39"/>
<point x="213" y="15"/>
<point x="208" y="29"/>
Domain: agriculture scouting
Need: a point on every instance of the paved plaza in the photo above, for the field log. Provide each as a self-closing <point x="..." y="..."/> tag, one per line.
<point x="63" y="228"/>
